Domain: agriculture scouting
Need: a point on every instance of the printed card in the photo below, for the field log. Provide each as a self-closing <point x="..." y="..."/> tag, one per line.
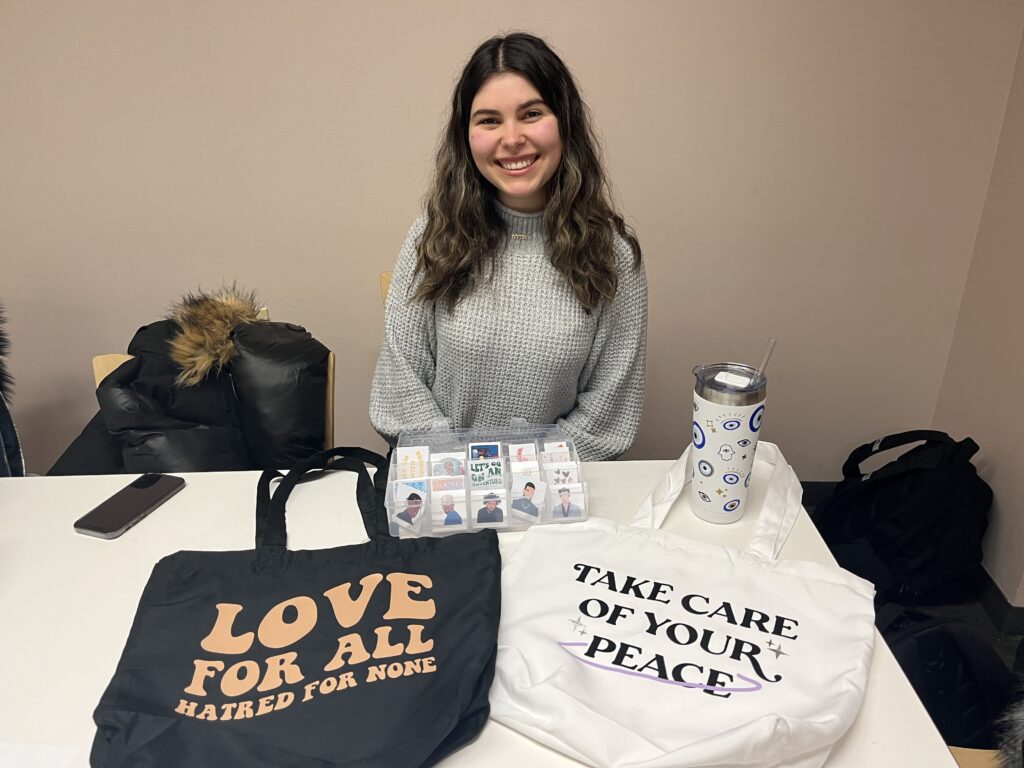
<point x="456" y="484"/>
<point x="556" y="452"/>
<point x="567" y="504"/>
<point x="565" y="473"/>
<point x="522" y="452"/>
<point x="410" y="498"/>
<point x="448" y="503"/>
<point x="412" y="461"/>
<point x="489" y="450"/>
<point x="486" y="473"/>
<point x="488" y="508"/>
<point x="448" y="463"/>
<point x="529" y="496"/>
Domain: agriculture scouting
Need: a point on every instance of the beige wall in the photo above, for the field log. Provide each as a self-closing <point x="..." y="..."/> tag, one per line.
<point x="810" y="171"/>
<point x="980" y="392"/>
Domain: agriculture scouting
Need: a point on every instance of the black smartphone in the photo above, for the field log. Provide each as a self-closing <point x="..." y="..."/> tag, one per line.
<point x="129" y="505"/>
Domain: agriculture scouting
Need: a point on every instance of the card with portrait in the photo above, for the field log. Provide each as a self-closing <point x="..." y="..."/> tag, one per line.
<point x="410" y="500"/>
<point x="567" y="504"/>
<point x="484" y="451"/>
<point x="451" y="463"/>
<point x="488" y="508"/>
<point x="412" y="461"/>
<point x="529" y="496"/>
<point x="448" y="504"/>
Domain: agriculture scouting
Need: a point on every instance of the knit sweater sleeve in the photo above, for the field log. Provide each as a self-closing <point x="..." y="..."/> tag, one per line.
<point x="400" y="396"/>
<point x="611" y="388"/>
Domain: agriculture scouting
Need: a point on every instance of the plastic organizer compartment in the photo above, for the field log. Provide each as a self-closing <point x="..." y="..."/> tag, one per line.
<point x="455" y="480"/>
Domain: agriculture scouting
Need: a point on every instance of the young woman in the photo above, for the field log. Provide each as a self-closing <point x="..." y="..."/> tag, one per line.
<point x="520" y="292"/>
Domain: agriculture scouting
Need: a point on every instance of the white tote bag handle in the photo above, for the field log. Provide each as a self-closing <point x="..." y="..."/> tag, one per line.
<point x="777" y="515"/>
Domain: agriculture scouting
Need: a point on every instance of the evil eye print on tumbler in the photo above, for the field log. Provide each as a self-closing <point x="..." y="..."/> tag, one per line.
<point x="728" y="405"/>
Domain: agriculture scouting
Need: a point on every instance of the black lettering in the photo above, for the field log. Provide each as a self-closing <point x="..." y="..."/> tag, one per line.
<point x="624" y="654"/>
<point x="781" y="624"/>
<point x="653" y="625"/>
<point x="717" y="678"/>
<point x="757" y="618"/>
<point x="687" y="602"/>
<point x="632" y="586"/>
<point x="744" y="648"/>
<point x="599" y="645"/>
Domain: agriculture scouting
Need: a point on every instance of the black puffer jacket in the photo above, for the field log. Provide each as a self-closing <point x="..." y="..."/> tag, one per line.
<point x="260" y="405"/>
<point x="12" y="463"/>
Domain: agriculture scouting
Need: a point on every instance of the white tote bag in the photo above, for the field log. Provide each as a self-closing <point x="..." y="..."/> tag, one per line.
<point x="630" y="646"/>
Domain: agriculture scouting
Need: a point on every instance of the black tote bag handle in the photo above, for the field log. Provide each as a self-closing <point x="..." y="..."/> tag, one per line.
<point x="851" y="469"/>
<point x="271" y="527"/>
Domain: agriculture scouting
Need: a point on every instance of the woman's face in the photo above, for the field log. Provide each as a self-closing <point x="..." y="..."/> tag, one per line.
<point x="513" y="136"/>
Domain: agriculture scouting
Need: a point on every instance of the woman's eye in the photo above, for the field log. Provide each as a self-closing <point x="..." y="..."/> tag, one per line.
<point x="533" y="113"/>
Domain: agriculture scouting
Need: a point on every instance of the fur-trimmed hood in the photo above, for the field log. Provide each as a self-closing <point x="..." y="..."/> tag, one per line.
<point x="207" y="321"/>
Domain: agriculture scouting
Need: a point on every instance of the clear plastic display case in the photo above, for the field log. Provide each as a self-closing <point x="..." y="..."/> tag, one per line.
<point x="448" y="481"/>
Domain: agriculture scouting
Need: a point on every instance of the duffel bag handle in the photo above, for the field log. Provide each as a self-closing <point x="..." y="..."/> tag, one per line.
<point x="271" y="526"/>
<point x="851" y="469"/>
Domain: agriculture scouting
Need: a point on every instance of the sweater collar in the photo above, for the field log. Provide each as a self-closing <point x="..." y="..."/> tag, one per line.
<point x="521" y="227"/>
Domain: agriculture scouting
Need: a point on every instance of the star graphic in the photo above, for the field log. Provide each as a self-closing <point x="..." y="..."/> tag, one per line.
<point x="776" y="649"/>
<point x="720" y="492"/>
<point x="578" y="625"/>
<point x="711" y="425"/>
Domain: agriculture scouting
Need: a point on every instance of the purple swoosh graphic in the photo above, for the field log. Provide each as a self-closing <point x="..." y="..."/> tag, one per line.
<point x="754" y="684"/>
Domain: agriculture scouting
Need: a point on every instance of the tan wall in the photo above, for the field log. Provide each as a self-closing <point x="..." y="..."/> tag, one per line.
<point x="980" y="392"/>
<point x="819" y="168"/>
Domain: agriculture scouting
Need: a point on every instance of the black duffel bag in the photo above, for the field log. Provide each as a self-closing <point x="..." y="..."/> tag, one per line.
<point x="914" y="526"/>
<point x="378" y="654"/>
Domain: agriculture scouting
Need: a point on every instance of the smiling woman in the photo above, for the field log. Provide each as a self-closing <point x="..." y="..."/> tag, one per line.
<point x="513" y="136"/>
<point x="520" y="291"/>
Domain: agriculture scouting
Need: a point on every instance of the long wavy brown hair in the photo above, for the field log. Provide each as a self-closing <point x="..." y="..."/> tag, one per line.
<point x="464" y="232"/>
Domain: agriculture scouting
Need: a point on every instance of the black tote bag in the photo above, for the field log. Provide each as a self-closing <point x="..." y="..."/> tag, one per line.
<point x="378" y="654"/>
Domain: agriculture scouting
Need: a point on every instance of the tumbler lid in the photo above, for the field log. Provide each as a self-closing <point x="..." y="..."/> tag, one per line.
<point x="730" y="383"/>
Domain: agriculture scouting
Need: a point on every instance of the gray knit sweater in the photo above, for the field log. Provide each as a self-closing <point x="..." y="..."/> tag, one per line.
<point x="519" y="345"/>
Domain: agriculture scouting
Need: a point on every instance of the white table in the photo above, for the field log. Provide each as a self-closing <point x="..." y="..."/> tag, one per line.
<point x="67" y="602"/>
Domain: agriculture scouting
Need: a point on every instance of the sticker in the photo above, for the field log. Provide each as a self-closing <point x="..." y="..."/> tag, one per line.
<point x="556" y="452"/>
<point x="568" y="503"/>
<point x="448" y="464"/>
<point x="726" y="452"/>
<point x="448" y="505"/>
<point x="566" y="473"/>
<point x="731" y="478"/>
<point x="522" y="452"/>
<point x="731" y="424"/>
<point x="705" y="468"/>
<point x="411" y="461"/>
<point x="409" y="498"/>
<point x="732" y="505"/>
<point x="704" y="497"/>
<point x="488" y="508"/>
<point x="484" y="451"/>
<point x="484" y="473"/>
<point x="528" y="497"/>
